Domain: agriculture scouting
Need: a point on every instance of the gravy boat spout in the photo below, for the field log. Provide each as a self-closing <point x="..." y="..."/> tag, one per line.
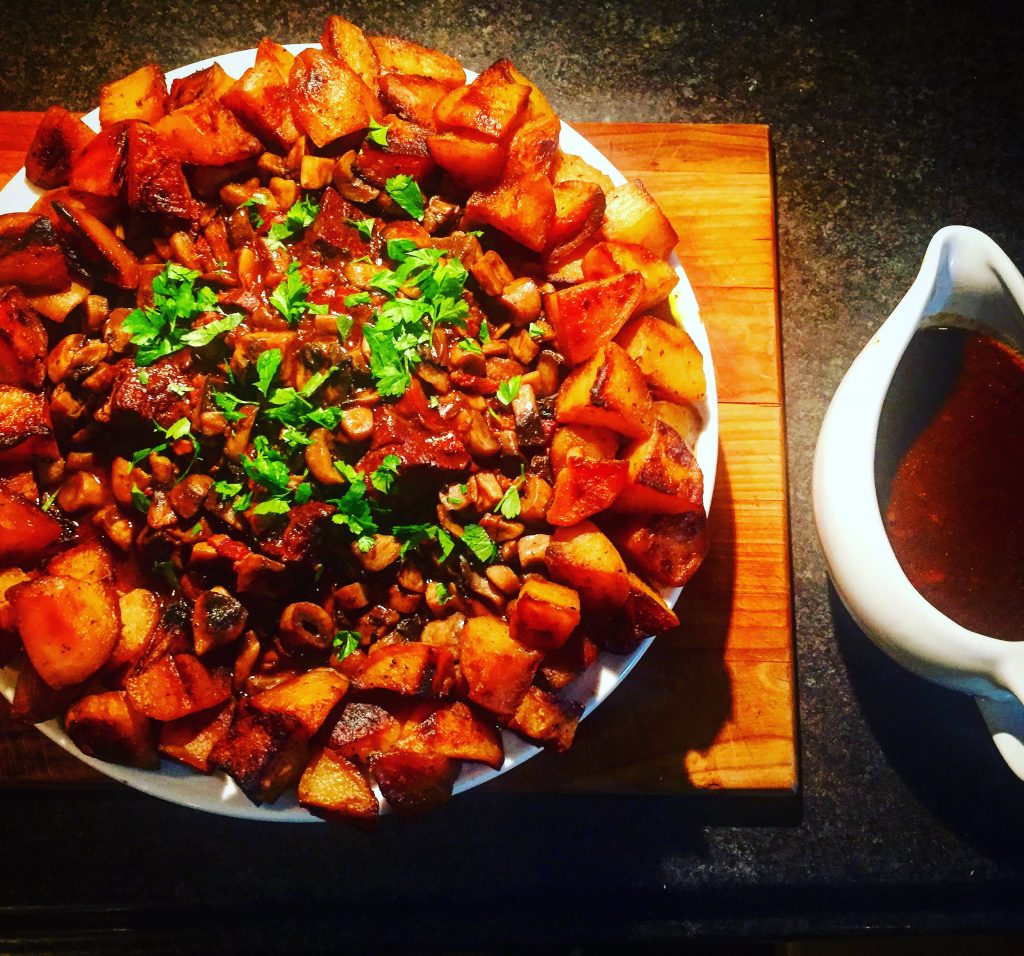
<point x="968" y="281"/>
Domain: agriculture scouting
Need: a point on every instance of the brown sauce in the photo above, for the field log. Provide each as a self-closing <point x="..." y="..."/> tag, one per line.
<point x="955" y="515"/>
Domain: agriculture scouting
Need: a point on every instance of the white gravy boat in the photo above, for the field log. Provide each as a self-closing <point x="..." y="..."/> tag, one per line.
<point x="964" y="273"/>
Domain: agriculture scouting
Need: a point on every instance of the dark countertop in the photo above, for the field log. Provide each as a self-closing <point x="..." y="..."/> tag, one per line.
<point x="888" y="121"/>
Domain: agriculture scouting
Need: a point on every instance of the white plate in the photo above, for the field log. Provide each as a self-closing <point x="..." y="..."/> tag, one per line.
<point x="219" y="794"/>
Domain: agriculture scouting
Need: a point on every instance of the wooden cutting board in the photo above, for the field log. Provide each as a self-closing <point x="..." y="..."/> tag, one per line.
<point x="711" y="706"/>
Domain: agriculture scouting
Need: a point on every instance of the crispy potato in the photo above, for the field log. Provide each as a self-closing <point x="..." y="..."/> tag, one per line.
<point x="208" y="84"/>
<point x="497" y="668"/>
<point x="683" y="417"/>
<point x="647" y="609"/>
<point x="413" y="97"/>
<point x="537" y="107"/>
<point x="99" y="169"/>
<point x="22" y="342"/>
<point x="8" y="578"/>
<point x="35" y="700"/>
<point x="667" y="549"/>
<point x="334" y="788"/>
<point x="544" y="614"/>
<point x="664" y="477"/>
<point x="613" y="258"/>
<point x="579" y="211"/>
<point x="414" y="783"/>
<point x="328" y="99"/>
<point x="607" y="392"/>
<point x="308" y="697"/>
<point x="177" y="685"/>
<point x="561" y="666"/>
<point x="584" y="487"/>
<point x="588" y="440"/>
<point x="263" y="753"/>
<point x="490" y="106"/>
<point x="25" y="429"/>
<point x="190" y="740"/>
<point x="631" y="215"/>
<point x="31" y="257"/>
<point x="137" y="96"/>
<point x="346" y="42"/>
<point x="533" y="148"/>
<point x="139" y="610"/>
<point x="107" y="727"/>
<point x="68" y="627"/>
<point x="588" y="315"/>
<point x="584" y="559"/>
<point x="406" y="154"/>
<point x="363" y="730"/>
<point x="472" y="161"/>
<point x="89" y="561"/>
<point x="156" y="184"/>
<point x="568" y="167"/>
<point x="96" y="247"/>
<point x="58" y="140"/>
<point x="206" y="133"/>
<point x="396" y="55"/>
<point x="671" y="363"/>
<point x="453" y="730"/>
<point x="522" y="208"/>
<point x="259" y="98"/>
<point x="544" y="719"/>
<point x="401" y="668"/>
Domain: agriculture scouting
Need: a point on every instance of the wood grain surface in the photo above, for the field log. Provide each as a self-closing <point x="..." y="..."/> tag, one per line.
<point x="711" y="706"/>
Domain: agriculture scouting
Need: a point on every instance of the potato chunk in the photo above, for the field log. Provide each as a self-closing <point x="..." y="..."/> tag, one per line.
<point x="263" y="753"/>
<point x="334" y="788"/>
<point x="175" y="686"/>
<point x="26" y="531"/>
<point x="58" y="140"/>
<point x="667" y="549"/>
<point x="396" y="55"/>
<point x="588" y="441"/>
<point x="32" y="259"/>
<point x="588" y="315"/>
<point x="68" y="627"/>
<point x="632" y="215"/>
<point x="584" y="559"/>
<point x="472" y="161"/>
<point x="259" y="98"/>
<point x="22" y="342"/>
<point x="137" y="96"/>
<point x="402" y="668"/>
<point x="308" y="697"/>
<point x="190" y="740"/>
<point x="206" y="133"/>
<point x="491" y="105"/>
<point x="544" y="614"/>
<point x="414" y="784"/>
<point x="497" y="668"/>
<point x="455" y="731"/>
<point x="584" y="487"/>
<point x="25" y="430"/>
<point x="545" y="719"/>
<point x="613" y="258"/>
<point x="413" y="98"/>
<point x="664" y="477"/>
<point x="347" y="42"/>
<point x="607" y="392"/>
<point x="328" y="99"/>
<point x="363" y="730"/>
<point x="107" y="727"/>
<point x="522" y="208"/>
<point x="668" y="357"/>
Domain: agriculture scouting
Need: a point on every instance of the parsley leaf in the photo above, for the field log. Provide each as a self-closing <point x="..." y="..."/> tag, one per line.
<point x="140" y="499"/>
<point x="256" y="199"/>
<point x="205" y="334"/>
<point x="357" y="298"/>
<point x="163" y="328"/>
<point x="289" y="298"/>
<point x="476" y="539"/>
<point x="378" y="134"/>
<point x="228" y="404"/>
<point x="442" y="592"/>
<point x="344" y="326"/>
<point x="534" y="331"/>
<point x="363" y="226"/>
<point x="509" y="504"/>
<point x="470" y="345"/>
<point x="267" y="365"/>
<point x="296" y="221"/>
<point x="383" y="477"/>
<point x="404" y="191"/>
<point x="272" y="506"/>
<point x="227" y="489"/>
<point x="508" y="390"/>
<point x="344" y="643"/>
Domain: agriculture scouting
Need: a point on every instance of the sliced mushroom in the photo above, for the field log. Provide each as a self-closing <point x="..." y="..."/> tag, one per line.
<point x="306" y="626"/>
<point x="218" y="618"/>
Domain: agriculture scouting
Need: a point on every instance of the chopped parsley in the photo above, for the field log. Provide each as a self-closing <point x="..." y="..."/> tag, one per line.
<point x="289" y="298"/>
<point x="442" y="592"/>
<point x="296" y="221"/>
<point x="363" y="226"/>
<point x="182" y="428"/>
<point x="384" y="475"/>
<point x="344" y="643"/>
<point x="509" y="505"/>
<point x="166" y="326"/>
<point x="257" y="199"/>
<point x="479" y="542"/>
<point x="267" y="364"/>
<point x="140" y="499"/>
<point x="404" y="191"/>
<point x="508" y="390"/>
<point x="378" y="134"/>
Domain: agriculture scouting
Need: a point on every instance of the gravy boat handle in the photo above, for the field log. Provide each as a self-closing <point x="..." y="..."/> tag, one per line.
<point x="960" y="266"/>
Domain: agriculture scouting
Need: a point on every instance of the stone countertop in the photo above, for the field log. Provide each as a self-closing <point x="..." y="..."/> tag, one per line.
<point x="888" y="122"/>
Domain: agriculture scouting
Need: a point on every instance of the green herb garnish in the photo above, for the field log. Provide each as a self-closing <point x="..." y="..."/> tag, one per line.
<point x="404" y="191"/>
